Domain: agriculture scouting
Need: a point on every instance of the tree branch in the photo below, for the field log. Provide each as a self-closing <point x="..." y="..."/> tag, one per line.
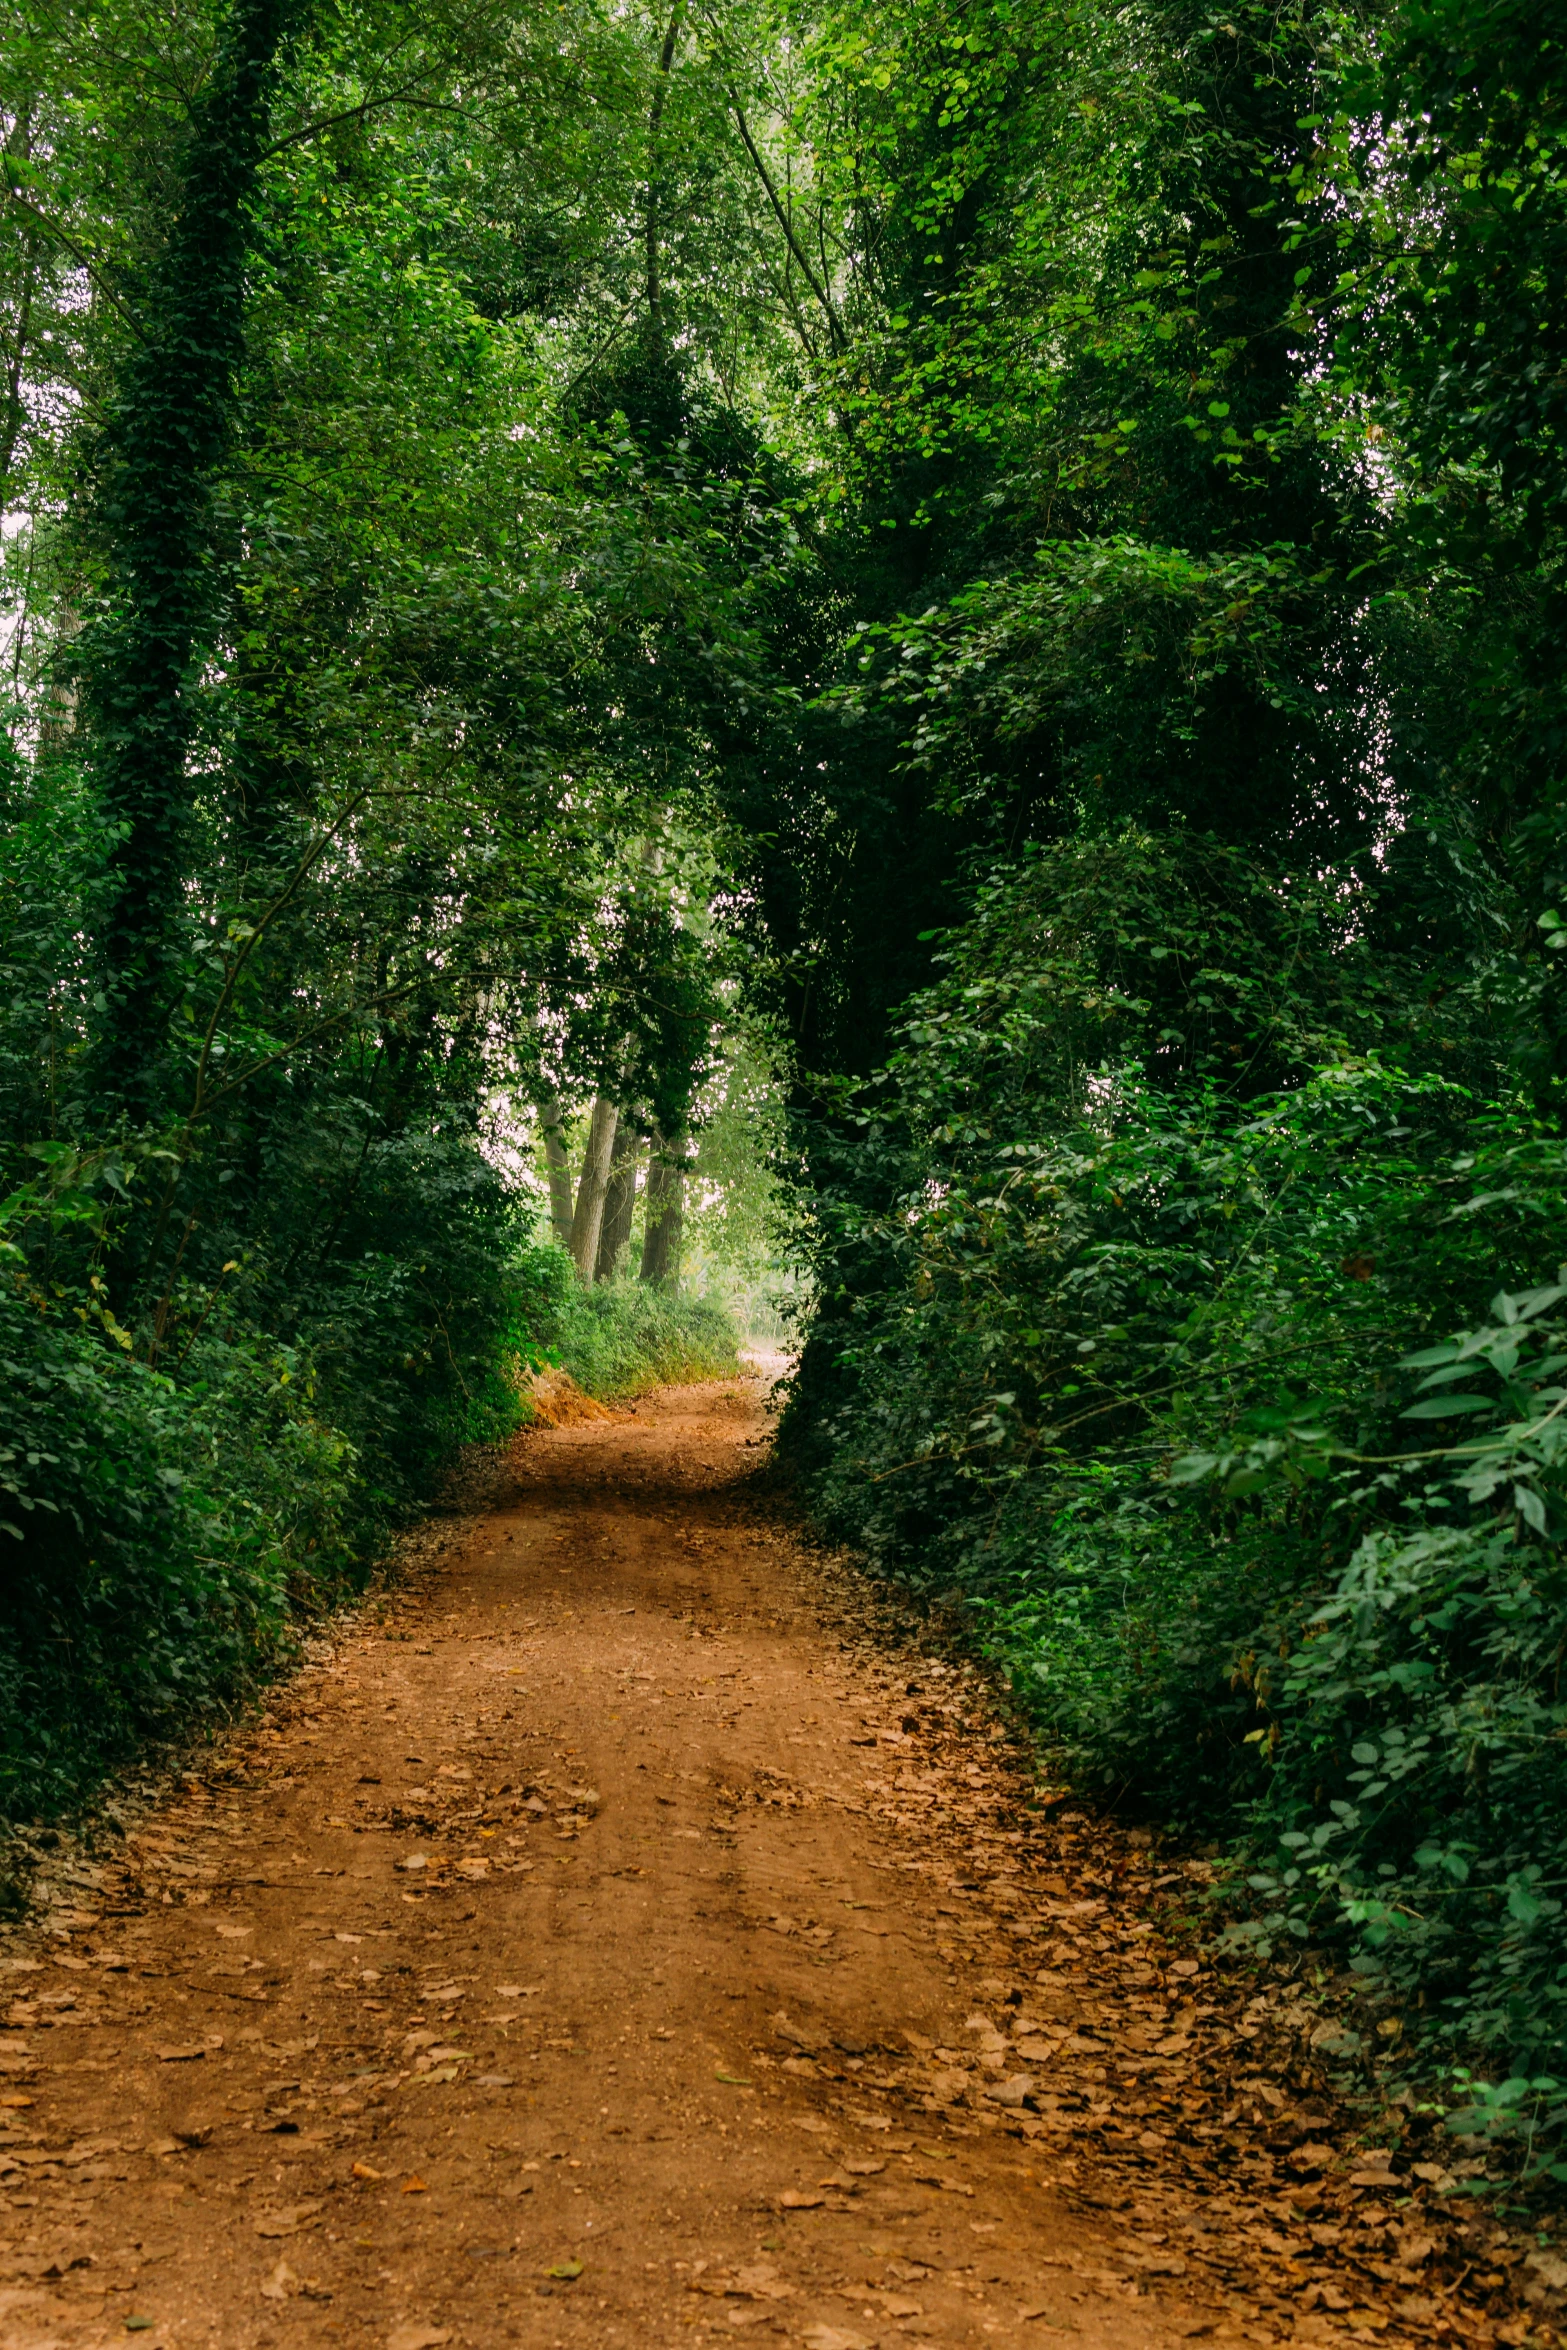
<point x="77" y="252"/>
<point x="834" y="326"/>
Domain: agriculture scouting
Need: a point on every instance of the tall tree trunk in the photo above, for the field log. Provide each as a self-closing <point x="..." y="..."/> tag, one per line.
<point x="665" y="1230"/>
<point x="619" y="1201"/>
<point x="588" y="1221"/>
<point x="553" y="1120"/>
<point x="169" y="432"/>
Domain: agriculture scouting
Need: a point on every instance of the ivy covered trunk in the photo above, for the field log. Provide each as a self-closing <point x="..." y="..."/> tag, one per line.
<point x="165" y="564"/>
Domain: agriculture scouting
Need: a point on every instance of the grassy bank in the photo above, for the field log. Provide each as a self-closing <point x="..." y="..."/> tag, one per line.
<point x="620" y="1338"/>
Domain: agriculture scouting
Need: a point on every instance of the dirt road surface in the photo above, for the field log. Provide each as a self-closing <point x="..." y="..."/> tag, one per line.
<point x="616" y="1936"/>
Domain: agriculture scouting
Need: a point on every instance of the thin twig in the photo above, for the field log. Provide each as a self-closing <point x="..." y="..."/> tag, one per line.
<point x="79" y="253"/>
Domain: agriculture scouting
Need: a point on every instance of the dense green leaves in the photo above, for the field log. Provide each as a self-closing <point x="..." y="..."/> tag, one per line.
<point x="366" y="657"/>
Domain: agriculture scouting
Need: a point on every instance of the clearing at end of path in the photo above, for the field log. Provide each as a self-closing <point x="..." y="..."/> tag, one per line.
<point x="626" y="1936"/>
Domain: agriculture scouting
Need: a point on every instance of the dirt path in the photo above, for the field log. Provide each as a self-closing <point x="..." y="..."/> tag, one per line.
<point x="619" y="1939"/>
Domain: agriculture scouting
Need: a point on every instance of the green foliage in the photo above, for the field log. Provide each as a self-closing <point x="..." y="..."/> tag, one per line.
<point x="171" y="1522"/>
<point x="366" y="660"/>
<point x="157" y="1535"/>
<point x="1114" y="1358"/>
<point x="621" y="1338"/>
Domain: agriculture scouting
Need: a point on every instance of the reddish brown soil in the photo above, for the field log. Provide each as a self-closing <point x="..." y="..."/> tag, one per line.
<point x="616" y="1936"/>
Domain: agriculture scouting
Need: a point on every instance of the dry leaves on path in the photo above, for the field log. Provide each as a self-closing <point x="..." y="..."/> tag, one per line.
<point x="1008" y="1992"/>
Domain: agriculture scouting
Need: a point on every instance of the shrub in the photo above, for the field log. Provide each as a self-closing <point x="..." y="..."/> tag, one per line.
<point x="1122" y="1353"/>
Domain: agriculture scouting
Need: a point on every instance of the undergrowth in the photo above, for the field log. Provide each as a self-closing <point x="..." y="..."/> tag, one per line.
<point x="170" y="1531"/>
<point x="621" y="1338"/>
<point x="1233" y="1422"/>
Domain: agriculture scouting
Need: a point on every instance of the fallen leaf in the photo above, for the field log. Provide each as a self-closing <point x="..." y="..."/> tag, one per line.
<point x="1153" y="2264"/>
<point x="284" y="2223"/>
<point x="760" y="2281"/>
<point x="733" y="2081"/>
<point x="415" y="2186"/>
<point x="567" y="2271"/>
<point x="279" y="2282"/>
<point x="140" y="2325"/>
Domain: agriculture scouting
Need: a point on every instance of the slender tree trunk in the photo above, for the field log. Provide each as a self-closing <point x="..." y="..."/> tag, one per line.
<point x="666" y="1186"/>
<point x="588" y="1221"/>
<point x="619" y="1201"/>
<point x="553" y="1120"/>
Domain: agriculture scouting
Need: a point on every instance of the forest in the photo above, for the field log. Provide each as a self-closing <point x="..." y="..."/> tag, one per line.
<point x="914" y="652"/>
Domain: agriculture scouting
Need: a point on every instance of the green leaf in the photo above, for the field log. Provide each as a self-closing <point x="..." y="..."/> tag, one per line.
<point x="1530" y="1507"/>
<point x="1446" y="1407"/>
